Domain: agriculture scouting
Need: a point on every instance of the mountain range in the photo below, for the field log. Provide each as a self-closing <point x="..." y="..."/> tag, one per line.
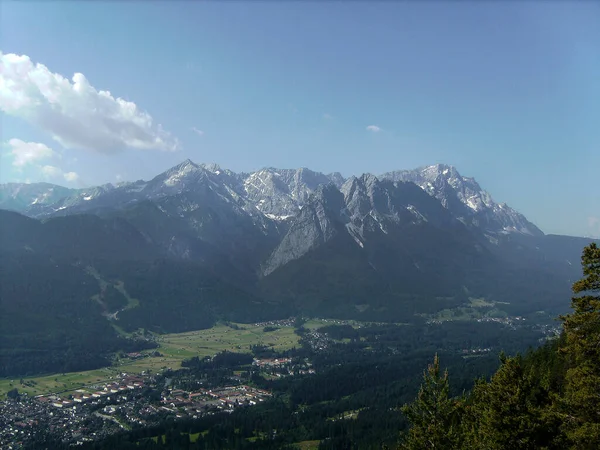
<point x="198" y="242"/>
<point x="277" y="194"/>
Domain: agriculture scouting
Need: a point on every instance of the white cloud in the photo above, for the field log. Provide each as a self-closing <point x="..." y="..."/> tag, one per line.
<point x="327" y="116"/>
<point x="25" y="153"/>
<point x="51" y="171"/>
<point x="75" y="113"/>
<point x="28" y="154"/>
<point x="197" y="131"/>
<point x="71" y="176"/>
<point x="56" y="172"/>
<point x="374" y="128"/>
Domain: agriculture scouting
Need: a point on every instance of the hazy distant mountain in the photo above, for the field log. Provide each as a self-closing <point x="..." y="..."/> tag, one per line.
<point x="22" y="196"/>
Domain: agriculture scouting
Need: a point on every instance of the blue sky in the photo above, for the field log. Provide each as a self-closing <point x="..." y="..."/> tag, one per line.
<point x="508" y="92"/>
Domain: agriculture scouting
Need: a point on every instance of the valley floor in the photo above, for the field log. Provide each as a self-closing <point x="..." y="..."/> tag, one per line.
<point x="142" y="390"/>
<point x="172" y="350"/>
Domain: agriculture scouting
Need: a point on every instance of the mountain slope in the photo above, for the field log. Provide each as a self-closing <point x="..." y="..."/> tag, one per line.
<point x="373" y="247"/>
<point x="56" y="277"/>
<point x="382" y="250"/>
<point x="363" y="208"/>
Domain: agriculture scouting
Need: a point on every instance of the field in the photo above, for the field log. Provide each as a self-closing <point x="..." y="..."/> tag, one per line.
<point x="221" y="337"/>
<point x="477" y="308"/>
<point x="173" y="348"/>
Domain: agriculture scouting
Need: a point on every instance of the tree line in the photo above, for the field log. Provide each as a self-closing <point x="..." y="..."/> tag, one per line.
<point x="548" y="398"/>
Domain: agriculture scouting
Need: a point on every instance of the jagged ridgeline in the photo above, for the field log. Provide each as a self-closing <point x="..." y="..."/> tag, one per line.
<point x="199" y="243"/>
<point x="547" y="398"/>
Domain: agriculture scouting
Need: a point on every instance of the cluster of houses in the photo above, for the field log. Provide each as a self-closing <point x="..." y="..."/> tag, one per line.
<point x="81" y="396"/>
<point x="225" y="398"/>
<point x="281" y="367"/>
<point x="277" y="323"/>
<point x="273" y="362"/>
<point x="476" y="350"/>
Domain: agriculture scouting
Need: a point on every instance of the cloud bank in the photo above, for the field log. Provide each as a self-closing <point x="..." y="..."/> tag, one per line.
<point x="53" y="172"/>
<point x="26" y="153"/>
<point x="76" y="114"/>
<point x="33" y="154"/>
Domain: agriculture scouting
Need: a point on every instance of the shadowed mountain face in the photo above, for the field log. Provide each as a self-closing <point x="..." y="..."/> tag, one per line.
<point x="198" y="243"/>
<point x="367" y="210"/>
<point x="380" y="249"/>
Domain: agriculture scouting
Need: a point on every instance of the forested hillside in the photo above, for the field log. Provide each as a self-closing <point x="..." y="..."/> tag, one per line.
<point x="60" y="307"/>
<point x="545" y="399"/>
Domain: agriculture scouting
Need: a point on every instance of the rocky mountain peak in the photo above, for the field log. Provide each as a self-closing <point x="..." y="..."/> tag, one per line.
<point x="212" y="167"/>
<point x="465" y="199"/>
<point x="336" y="178"/>
<point x="185" y="171"/>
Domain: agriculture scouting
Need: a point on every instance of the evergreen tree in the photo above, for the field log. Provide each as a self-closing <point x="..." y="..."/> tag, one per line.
<point x="511" y="411"/>
<point x="580" y="405"/>
<point x="433" y="415"/>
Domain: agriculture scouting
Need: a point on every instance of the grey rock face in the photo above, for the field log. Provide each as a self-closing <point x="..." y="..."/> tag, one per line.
<point x="466" y="199"/>
<point x="318" y="222"/>
<point x="364" y="208"/>
<point x="281" y="193"/>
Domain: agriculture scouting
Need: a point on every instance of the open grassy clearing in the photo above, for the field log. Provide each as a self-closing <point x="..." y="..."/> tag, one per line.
<point x="313" y="324"/>
<point x="222" y="337"/>
<point x="346" y="415"/>
<point x="131" y="302"/>
<point x="477" y="308"/>
<point x="57" y="383"/>
<point x="480" y="303"/>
